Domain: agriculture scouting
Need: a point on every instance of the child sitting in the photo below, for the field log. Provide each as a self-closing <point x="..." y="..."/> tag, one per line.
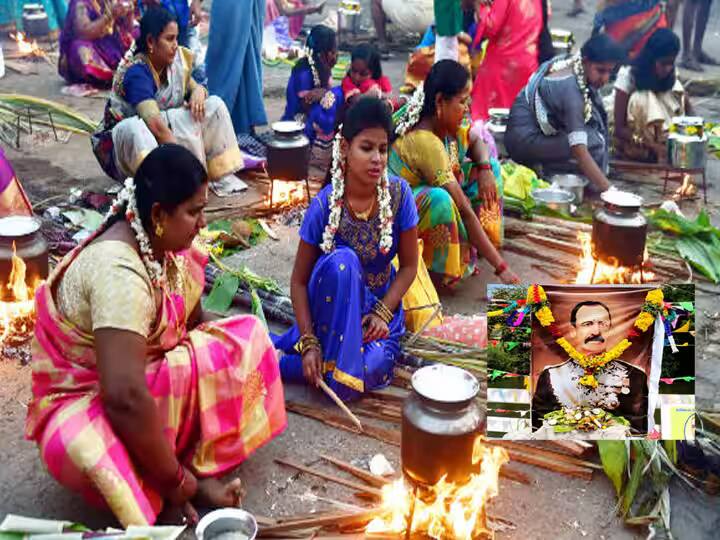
<point x="365" y="77"/>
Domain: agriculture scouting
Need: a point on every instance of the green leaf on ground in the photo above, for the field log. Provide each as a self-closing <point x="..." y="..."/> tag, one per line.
<point x="220" y="298"/>
<point x="703" y="256"/>
<point x="614" y="457"/>
<point x="636" y="475"/>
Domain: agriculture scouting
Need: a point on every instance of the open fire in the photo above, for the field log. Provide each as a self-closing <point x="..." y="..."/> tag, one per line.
<point x="27" y="48"/>
<point x="17" y="307"/>
<point x="285" y="194"/>
<point x="448" y="511"/>
<point x="595" y="271"/>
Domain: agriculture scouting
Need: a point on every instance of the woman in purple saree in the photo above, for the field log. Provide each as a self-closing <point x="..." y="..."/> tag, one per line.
<point x="96" y="35"/>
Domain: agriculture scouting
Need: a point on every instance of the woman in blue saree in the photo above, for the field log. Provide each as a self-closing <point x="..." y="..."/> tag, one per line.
<point x="346" y="294"/>
<point x="310" y="99"/>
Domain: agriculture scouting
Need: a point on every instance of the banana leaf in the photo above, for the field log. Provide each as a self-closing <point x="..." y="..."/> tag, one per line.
<point x="221" y="296"/>
<point x="614" y="458"/>
<point x="256" y="307"/>
<point x="673" y="223"/>
<point x="703" y="256"/>
<point x="636" y="475"/>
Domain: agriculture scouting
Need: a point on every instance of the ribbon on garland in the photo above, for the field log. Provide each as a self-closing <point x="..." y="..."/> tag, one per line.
<point x="499" y="374"/>
<point x="506" y="411"/>
<point x="670" y="380"/>
<point x="669" y="335"/>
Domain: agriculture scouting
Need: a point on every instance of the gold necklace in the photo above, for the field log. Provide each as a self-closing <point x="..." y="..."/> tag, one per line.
<point x="363" y="216"/>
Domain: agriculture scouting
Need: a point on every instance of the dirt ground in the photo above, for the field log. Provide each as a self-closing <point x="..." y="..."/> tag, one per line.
<point x="555" y="507"/>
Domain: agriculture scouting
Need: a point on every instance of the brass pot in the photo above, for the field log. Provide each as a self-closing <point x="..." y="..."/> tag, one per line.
<point x="440" y="422"/>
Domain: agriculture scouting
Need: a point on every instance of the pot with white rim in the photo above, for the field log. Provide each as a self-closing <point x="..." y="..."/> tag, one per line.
<point x="288" y="152"/>
<point x="619" y="229"/>
<point x="441" y="421"/>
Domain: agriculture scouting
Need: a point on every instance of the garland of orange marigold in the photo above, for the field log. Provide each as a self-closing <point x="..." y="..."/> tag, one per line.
<point x="538" y="303"/>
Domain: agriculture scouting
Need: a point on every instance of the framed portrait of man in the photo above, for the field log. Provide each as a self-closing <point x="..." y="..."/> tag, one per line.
<point x="592" y="376"/>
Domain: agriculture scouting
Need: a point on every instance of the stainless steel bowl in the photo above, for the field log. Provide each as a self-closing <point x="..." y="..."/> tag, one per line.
<point x="227" y="524"/>
<point x="555" y="199"/>
<point x="571" y="182"/>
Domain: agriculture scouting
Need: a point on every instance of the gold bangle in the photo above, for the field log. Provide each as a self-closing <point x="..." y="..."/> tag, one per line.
<point x="307" y="342"/>
<point x="382" y="311"/>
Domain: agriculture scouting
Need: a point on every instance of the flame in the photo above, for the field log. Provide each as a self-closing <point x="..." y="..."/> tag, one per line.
<point x="286" y="194"/>
<point x="17" y="316"/>
<point x="24" y="46"/>
<point x="446" y="510"/>
<point x="605" y="272"/>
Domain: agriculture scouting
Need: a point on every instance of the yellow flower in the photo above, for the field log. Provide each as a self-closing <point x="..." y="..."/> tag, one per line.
<point x="545" y="316"/>
<point x="497" y="313"/>
<point x="589" y="380"/>
<point x="644" y="320"/>
<point x="655" y="297"/>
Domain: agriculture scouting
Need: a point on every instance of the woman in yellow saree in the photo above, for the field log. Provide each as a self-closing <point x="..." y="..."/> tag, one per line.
<point x="459" y="200"/>
<point x="137" y="403"/>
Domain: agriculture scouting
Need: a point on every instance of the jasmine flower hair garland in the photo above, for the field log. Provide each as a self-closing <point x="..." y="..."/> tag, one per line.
<point x="335" y="202"/>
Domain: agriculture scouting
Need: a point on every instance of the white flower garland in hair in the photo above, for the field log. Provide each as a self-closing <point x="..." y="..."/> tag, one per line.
<point x="412" y="113"/>
<point x="126" y="202"/>
<point x="336" y="196"/>
<point x="336" y="203"/>
<point x="579" y="72"/>
<point x="575" y="63"/>
<point x="313" y="68"/>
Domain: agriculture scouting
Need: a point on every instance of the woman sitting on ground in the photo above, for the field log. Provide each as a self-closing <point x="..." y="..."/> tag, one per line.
<point x="451" y="195"/>
<point x="648" y="95"/>
<point x="365" y="77"/>
<point x="139" y="402"/>
<point x="94" y="40"/>
<point x="284" y="20"/>
<point x="346" y="294"/>
<point x="154" y="100"/>
<point x="310" y="99"/>
<point x="559" y="115"/>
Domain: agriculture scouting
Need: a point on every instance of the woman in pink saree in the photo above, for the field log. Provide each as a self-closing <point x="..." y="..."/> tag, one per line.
<point x="513" y="29"/>
<point x="137" y="403"/>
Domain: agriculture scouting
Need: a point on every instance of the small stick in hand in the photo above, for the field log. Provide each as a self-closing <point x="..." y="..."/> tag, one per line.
<point x="332" y="395"/>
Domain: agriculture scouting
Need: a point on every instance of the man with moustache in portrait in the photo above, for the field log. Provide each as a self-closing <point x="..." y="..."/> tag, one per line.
<point x="622" y="388"/>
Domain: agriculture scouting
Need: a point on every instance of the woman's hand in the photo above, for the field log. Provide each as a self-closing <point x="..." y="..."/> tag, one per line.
<point x="312" y="366"/>
<point x="181" y="496"/>
<point x="374" y="91"/>
<point x="486" y="186"/>
<point x="197" y="103"/>
<point x="315" y="95"/>
<point x="195" y="12"/>
<point x="319" y="8"/>
<point x="509" y="277"/>
<point x="120" y="9"/>
<point x="374" y="328"/>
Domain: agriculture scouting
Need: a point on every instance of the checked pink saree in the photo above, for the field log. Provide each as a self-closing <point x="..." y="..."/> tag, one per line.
<point x="217" y="387"/>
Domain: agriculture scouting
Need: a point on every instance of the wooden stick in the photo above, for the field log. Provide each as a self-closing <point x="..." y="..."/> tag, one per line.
<point x="550" y="464"/>
<point x="341" y="422"/>
<point x="549" y="454"/>
<point x="559" y="245"/>
<point x="332" y="395"/>
<point x="571" y="447"/>
<point x="330" y="477"/>
<point x="511" y="473"/>
<point x="336" y="519"/>
<point x="370" y="478"/>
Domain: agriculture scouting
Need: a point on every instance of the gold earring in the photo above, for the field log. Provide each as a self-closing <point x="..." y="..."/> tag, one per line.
<point x="159" y="231"/>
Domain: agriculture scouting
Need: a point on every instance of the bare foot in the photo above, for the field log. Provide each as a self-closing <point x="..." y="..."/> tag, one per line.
<point x="212" y="493"/>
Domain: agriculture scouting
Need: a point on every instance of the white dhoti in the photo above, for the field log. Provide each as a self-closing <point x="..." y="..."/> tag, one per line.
<point x="409" y="16"/>
<point x="212" y="140"/>
<point x="447" y="48"/>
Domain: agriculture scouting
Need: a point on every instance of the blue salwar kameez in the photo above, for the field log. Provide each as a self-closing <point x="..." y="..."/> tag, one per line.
<point x="343" y="288"/>
<point x="233" y="62"/>
<point x="320" y="122"/>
